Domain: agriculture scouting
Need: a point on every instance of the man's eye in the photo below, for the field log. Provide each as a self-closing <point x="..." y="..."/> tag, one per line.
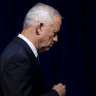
<point x="55" y="33"/>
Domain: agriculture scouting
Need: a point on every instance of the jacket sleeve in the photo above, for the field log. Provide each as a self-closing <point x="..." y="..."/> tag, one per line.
<point x="15" y="77"/>
<point x="51" y="93"/>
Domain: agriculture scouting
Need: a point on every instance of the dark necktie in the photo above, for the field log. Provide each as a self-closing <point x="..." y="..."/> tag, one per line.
<point x="38" y="59"/>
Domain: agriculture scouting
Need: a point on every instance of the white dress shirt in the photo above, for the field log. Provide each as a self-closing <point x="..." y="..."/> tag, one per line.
<point x="33" y="48"/>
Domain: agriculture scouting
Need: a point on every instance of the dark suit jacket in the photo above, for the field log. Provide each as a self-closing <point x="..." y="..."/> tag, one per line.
<point x="20" y="72"/>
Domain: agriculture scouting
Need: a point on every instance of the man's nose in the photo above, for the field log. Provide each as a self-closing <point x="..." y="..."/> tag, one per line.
<point x="55" y="38"/>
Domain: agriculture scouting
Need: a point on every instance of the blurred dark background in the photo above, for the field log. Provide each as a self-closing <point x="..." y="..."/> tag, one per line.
<point x="71" y="61"/>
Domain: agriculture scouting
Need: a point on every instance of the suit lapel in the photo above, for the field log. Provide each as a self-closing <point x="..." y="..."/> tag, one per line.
<point x="29" y="52"/>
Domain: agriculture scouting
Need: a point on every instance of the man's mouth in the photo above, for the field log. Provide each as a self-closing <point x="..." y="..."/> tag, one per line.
<point x="51" y="45"/>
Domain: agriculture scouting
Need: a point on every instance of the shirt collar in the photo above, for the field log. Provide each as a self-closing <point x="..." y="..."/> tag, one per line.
<point x="33" y="48"/>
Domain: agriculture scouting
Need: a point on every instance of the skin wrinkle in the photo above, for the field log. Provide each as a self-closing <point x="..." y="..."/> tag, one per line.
<point x="51" y="34"/>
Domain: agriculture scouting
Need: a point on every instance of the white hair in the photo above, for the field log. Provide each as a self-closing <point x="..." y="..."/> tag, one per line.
<point x="40" y="12"/>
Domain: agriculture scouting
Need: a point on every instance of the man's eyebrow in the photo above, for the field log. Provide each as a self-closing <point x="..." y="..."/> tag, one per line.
<point x="56" y="31"/>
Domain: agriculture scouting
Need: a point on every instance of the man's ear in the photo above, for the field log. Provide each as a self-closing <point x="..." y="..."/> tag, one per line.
<point x="39" y="28"/>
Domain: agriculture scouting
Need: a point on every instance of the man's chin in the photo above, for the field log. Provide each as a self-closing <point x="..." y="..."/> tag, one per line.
<point x="44" y="49"/>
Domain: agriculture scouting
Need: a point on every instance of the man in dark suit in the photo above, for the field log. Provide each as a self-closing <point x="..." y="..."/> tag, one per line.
<point x="20" y="70"/>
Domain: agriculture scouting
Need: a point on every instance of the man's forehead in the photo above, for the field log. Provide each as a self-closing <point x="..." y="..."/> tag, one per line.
<point x="57" y="21"/>
<point x="57" y="25"/>
<point x="57" y="18"/>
